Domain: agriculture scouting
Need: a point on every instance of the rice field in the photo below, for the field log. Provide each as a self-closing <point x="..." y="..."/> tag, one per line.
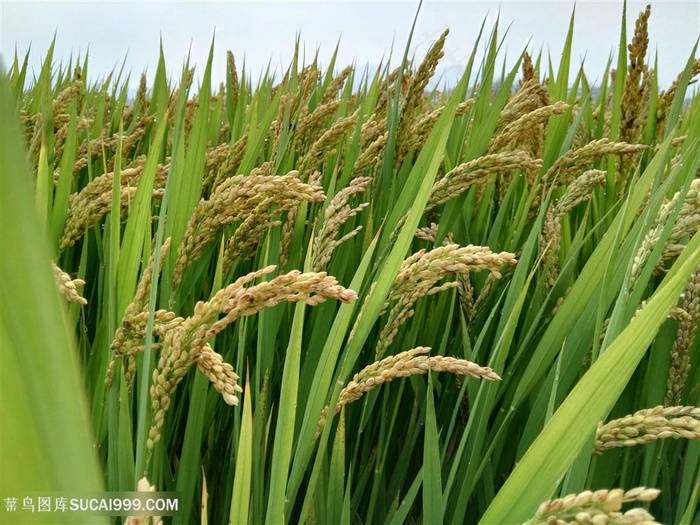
<point x="339" y="295"/>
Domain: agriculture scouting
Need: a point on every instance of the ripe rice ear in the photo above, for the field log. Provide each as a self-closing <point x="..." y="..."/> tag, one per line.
<point x="409" y="363"/>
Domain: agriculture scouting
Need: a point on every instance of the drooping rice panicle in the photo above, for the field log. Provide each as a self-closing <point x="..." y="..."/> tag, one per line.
<point x="184" y="344"/>
<point x="530" y="97"/>
<point x="520" y="131"/>
<point x="128" y="339"/>
<point x="409" y="363"/>
<point x="574" y="161"/>
<point x="666" y="100"/>
<point x="68" y="286"/>
<point x="645" y="426"/>
<point x="62" y="102"/>
<point x="679" y="370"/>
<point x="140" y="105"/>
<point x="141" y="100"/>
<point x="580" y="190"/>
<point x="288" y="226"/>
<point x="465" y="290"/>
<point x="98" y="146"/>
<point x="292" y="102"/>
<point x="478" y="171"/>
<point x="233" y="201"/>
<point x="373" y="140"/>
<point x="336" y="84"/>
<point x="484" y="294"/>
<point x="325" y="145"/>
<point x="423" y="125"/>
<point x="225" y="164"/>
<point x="89" y="206"/>
<point x="144" y="486"/>
<point x="420" y="274"/>
<point x="310" y="126"/>
<point x="386" y="90"/>
<point x="427" y="233"/>
<point x="61" y="114"/>
<point x="600" y="506"/>
<point x="336" y="214"/>
<point x="687" y="223"/>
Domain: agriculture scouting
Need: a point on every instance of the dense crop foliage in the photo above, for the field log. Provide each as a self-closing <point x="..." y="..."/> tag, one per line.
<point x="339" y="296"/>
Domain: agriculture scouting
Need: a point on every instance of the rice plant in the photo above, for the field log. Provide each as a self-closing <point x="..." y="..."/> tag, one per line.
<point x="343" y="296"/>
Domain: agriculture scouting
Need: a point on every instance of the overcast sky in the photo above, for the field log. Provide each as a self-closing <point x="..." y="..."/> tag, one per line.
<point x="264" y="32"/>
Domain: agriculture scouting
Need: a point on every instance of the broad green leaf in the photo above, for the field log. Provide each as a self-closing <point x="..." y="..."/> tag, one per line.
<point x="240" y="497"/>
<point x="541" y="469"/>
<point x="432" y="473"/>
<point x="284" y="433"/>
<point x="40" y="364"/>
